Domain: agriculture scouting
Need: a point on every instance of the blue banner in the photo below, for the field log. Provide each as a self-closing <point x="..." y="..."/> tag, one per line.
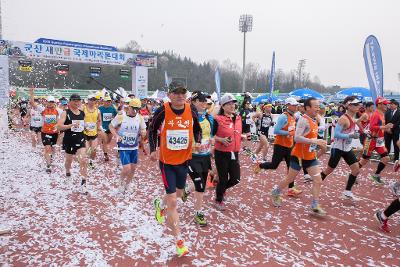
<point x="218" y="84"/>
<point x="272" y="77"/>
<point x="75" y="44"/>
<point x="374" y="66"/>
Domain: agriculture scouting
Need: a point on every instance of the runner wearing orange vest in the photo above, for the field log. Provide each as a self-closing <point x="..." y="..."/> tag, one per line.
<point x="49" y="130"/>
<point x="304" y="155"/>
<point x="178" y="125"/>
<point x="284" y="133"/>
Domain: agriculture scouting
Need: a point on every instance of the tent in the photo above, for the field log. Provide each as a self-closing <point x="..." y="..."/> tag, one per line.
<point x="304" y="93"/>
<point x="364" y="94"/>
<point x="265" y="98"/>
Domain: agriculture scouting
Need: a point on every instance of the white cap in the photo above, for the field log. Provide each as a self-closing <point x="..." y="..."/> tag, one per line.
<point x="291" y="101"/>
<point x="209" y="101"/>
<point x="51" y="98"/>
<point x="354" y="101"/>
<point x="226" y="98"/>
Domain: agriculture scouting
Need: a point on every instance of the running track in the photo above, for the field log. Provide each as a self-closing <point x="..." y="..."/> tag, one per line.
<point x="52" y="224"/>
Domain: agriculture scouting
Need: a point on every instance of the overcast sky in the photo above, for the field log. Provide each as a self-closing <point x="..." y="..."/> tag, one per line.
<point x="329" y="34"/>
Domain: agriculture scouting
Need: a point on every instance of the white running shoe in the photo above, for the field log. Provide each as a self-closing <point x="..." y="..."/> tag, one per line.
<point x="307" y="178"/>
<point x="348" y="195"/>
<point x="84" y="189"/>
<point x="395" y="188"/>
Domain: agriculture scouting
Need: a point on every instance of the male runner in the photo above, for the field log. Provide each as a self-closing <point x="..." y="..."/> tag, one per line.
<point x="304" y="155"/>
<point x="108" y="112"/>
<point x="178" y="125"/>
<point x="375" y="140"/>
<point x="342" y="146"/>
<point x="284" y="132"/>
<point x="36" y="122"/>
<point x="127" y="129"/>
<point x="92" y="126"/>
<point x="72" y="122"/>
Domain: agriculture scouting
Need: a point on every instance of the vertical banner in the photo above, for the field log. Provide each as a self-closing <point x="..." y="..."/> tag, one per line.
<point x="166" y="79"/>
<point x="4" y="81"/>
<point x="272" y="78"/>
<point x="140" y="82"/>
<point x="218" y="84"/>
<point x="373" y="66"/>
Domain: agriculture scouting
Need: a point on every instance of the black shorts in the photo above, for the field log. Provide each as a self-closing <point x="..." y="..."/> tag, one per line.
<point x="198" y="171"/>
<point x="49" y="139"/>
<point x="245" y="128"/>
<point x="90" y="138"/>
<point x="174" y="176"/>
<point x="336" y="154"/>
<point x="72" y="144"/>
<point x="35" y="129"/>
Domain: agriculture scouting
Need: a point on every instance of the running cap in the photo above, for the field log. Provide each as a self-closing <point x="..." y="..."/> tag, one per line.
<point x="226" y="98"/>
<point x="74" y="97"/>
<point x="199" y="95"/>
<point x="51" y="98"/>
<point x="177" y="86"/>
<point x="381" y="100"/>
<point x="107" y="98"/>
<point x="291" y="101"/>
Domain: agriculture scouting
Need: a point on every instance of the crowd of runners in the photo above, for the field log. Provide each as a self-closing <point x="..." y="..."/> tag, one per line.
<point x="204" y="140"/>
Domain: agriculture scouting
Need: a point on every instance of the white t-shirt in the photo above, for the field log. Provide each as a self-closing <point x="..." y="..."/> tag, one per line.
<point x="36" y="116"/>
<point x="129" y="130"/>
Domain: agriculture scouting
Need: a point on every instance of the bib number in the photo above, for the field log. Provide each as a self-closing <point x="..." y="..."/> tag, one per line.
<point x="177" y="139"/>
<point x="50" y="119"/>
<point x="79" y="128"/>
<point x="380" y="142"/>
<point x="90" y="126"/>
<point x="107" y="117"/>
<point x="37" y="119"/>
<point x="129" y="139"/>
<point x="313" y="147"/>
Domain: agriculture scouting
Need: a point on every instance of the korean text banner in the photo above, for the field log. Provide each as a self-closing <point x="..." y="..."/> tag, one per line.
<point x="374" y="66"/>
<point x="75" y="54"/>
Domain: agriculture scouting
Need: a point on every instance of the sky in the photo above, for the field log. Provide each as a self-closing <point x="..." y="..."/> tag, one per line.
<point x="329" y="34"/>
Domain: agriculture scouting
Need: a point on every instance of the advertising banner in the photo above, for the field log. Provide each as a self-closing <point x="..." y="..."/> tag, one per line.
<point x="140" y="82"/>
<point x="374" y="66"/>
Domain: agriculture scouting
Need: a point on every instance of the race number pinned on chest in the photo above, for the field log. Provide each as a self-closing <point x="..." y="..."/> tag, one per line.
<point x="177" y="139"/>
<point x="107" y="116"/>
<point x="380" y="142"/>
<point x="78" y="126"/>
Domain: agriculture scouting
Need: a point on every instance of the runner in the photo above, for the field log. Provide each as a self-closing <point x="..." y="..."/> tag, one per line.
<point x="92" y="124"/>
<point x="127" y="129"/>
<point x="304" y="155"/>
<point x="264" y="121"/>
<point x="23" y="110"/>
<point x="108" y="112"/>
<point x="49" y="129"/>
<point x="63" y="105"/>
<point x="375" y="139"/>
<point x="364" y="120"/>
<point x="245" y="114"/>
<point x="200" y="164"/>
<point x="227" y="133"/>
<point x="284" y="132"/>
<point x="342" y="146"/>
<point x="72" y="122"/>
<point x="178" y="125"/>
<point x="36" y="122"/>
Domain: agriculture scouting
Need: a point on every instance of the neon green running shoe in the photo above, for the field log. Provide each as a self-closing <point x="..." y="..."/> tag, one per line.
<point x="160" y="216"/>
<point x="181" y="249"/>
<point x="317" y="210"/>
<point x="377" y="179"/>
<point x="185" y="194"/>
<point x="199" y="219"/>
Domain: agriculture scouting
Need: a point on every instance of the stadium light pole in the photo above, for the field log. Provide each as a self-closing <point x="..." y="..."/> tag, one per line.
<point x="245" y="25"/>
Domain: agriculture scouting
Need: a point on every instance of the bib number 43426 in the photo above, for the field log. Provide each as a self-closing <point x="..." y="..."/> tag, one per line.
<point x="177" y="139"/>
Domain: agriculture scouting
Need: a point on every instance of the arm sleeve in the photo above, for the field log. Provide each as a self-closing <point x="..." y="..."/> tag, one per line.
<point x="215" y="127"/>
<point x="197" y="134"/>
<point x="302" y="129"/>
<point x="281" y="122"/>
<point x="338" y="132"/>
<point x="158" y="118"/>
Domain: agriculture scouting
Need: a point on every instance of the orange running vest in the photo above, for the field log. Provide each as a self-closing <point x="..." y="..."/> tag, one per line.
<point x="287" y="140"/>
<point x="176" y="136"/>
<point x="307" y="151"/>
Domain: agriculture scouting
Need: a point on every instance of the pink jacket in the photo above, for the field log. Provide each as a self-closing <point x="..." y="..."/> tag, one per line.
<point x="228" y="128"/>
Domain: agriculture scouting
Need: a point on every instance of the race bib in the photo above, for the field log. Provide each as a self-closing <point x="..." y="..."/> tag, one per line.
<point x="146" y="118"/>
<point x="107" y="116"/>
<point x="129" y="139"/>
<point x="380" y="142"/>
<point x="80" y="127"/>
<point x="204" y="146"/>
<point x="313" y="147"/>
<point x="266" y="123"/>
<point x="50" y="119"/>
<point x="37" y="119"/>
<point x="177" y="139"/>
<point x="249" y="121"/>
<point x="90" y="126"/>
